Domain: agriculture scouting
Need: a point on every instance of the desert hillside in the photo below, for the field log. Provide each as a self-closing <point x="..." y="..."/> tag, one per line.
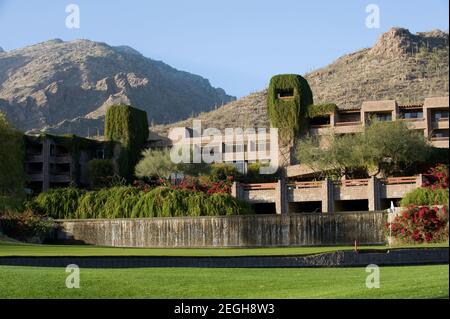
<point x="402" y="66"/>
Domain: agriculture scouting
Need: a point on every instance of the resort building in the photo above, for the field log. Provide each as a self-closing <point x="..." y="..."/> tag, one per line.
<point x="301" y="192"/>
<point x="430" y="118"/>
<point x="59" y="161"/>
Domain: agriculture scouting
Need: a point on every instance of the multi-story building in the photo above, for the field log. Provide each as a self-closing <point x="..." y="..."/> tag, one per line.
<point x="50" y="162"/>
<point x="430" y="118"/>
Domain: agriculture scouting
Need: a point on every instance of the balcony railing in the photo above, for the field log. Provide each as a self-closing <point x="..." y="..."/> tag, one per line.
<point x="300" y="185"/>
<point x="348" y="123"/>
<point x="400" y="180"/>
<point x="353" y="182"/>
<point x="264" y="186"/>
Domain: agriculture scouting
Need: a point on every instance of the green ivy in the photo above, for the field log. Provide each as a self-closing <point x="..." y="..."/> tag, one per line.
<point x="288" y="115"/>
<point x="320" y="110"/>
<point x="128" y="126"/>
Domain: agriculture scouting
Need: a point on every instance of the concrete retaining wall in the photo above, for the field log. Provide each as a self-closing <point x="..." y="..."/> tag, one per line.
<point x="394" y="257"/>
<point x="228" y="231"/>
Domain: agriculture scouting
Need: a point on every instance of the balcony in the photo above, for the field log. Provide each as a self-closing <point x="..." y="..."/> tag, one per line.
<point x="61" y="159"/>
<point x="34" y="158"/>
<point x="35" y="177"/>
<point x="60" y="178"/>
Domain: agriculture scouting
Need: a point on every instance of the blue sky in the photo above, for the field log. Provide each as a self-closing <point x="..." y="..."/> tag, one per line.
<point x="237" y="44"/>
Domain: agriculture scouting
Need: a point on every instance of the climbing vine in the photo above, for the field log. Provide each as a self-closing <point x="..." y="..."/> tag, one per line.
<point x="288" y="98"/>
<point x="128" y="126"/>
<point x="319" y="110"/>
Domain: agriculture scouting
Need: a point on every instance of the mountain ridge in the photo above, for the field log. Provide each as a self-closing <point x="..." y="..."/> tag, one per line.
<point x="402" y="66"/>
<point x="53" y="82"/>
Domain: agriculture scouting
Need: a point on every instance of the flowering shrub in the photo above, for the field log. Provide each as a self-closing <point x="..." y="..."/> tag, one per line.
<point x="205" y="185"/>
<point x="418" y="224"/>
<point x="25" y="226"/>
<point x="437" y="178"/>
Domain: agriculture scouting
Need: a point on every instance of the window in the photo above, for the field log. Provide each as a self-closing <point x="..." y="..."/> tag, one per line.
<point x="383" y="116"/>
<point x="285" y="93"/>
<point x="241" y="167"/>
<point x="440" y="134"/>
<point x="412" y="115"/>
<point x="100" y="154"/>
<point x="440" y="115"/>
<point x="320" y="121"/>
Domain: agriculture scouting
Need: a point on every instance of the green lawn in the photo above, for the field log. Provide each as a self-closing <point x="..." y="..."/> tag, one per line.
<point x="10" y="248"/>
<point x="396" y="282"/>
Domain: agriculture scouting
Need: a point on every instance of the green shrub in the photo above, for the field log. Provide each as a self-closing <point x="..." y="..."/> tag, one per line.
<point x="221" y="171"/>
<point x="425" y="196"/>
<point x="25" y="226"/>
<point x="100" y="172"/>
<point x="58" y="203"/>
<point x="130" y="202"/>
<point x="114" y="202"/>
<point x="14" y="203"/>
<point x="253" y="175"/>
<point x="224" y="204"/>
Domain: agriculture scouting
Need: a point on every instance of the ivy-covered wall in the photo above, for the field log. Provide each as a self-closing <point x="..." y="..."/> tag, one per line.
<point x="319" y="110"/>
<point x="288" y="114"/>
<point x="129" y="127"/>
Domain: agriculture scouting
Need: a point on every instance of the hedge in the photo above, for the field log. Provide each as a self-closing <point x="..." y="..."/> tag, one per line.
<point x="425" y="197"/>
<point x="130" y="202"/>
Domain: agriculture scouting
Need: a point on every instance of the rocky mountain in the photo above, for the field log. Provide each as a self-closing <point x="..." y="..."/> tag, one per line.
<point x="402" y="66"/>
<point x="66" y="87"/>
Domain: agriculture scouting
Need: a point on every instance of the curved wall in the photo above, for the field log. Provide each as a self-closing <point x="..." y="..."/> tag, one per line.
<point x="228" y="231"/>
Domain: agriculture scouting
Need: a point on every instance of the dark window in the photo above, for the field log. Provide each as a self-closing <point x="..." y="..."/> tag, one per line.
<point x="321" y="120"/>
<point x="100" y="154"/>
<point x="285" y="93"/>
<point x="440" y="115"/>
<point x="412" y="114"/>
<point x="440" y="134"/>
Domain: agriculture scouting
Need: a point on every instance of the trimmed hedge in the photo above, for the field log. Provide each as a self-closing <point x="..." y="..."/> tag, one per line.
<point x="128" y="126"/>
<point x="130" y="202"/>
<point x="288" y="115"/>
<point x="425" y="197"/>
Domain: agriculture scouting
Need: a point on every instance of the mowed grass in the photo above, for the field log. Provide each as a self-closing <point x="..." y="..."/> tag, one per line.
<point x="13" y="248"/>
<point x="396" y="282"/>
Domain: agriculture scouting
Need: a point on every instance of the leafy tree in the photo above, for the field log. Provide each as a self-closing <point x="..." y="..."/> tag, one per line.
<point x="155" y="163"/>
<point x="12" y="176"/>
<point x="386" y="147"/>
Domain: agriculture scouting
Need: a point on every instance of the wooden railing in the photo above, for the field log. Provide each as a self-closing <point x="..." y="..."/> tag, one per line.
<point x="264" y="186"/>
<point x="299" y="185"/>
<point x="400" y="180"/>
<point x="347" y="123"/>
<point x="353" y="182"/>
